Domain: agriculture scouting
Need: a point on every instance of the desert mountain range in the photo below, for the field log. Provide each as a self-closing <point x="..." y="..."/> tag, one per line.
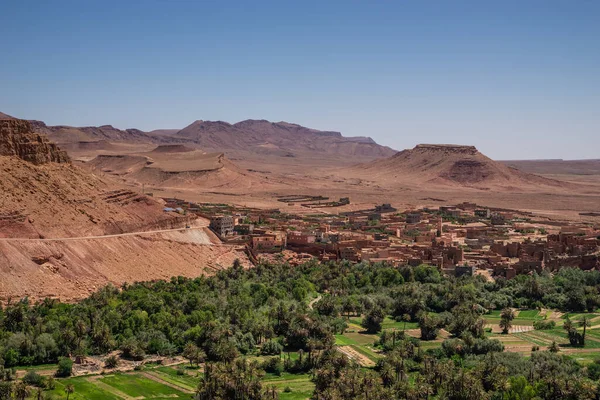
<point x="270" y="155"/>
<point x="281" y="138"/>
<point x="259" y="137"/>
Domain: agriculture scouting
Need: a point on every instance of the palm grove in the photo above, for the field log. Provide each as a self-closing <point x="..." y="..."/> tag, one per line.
<point x="223" y="320"/>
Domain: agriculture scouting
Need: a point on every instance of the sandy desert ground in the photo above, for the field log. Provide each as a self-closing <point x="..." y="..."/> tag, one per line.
<point x="255" y="181"/>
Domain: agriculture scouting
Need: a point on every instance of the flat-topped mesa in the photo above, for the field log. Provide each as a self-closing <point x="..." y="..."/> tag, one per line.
<point x="453" y="148"/>
<point x="18" y="139"/>
<point x="172" y="148"/>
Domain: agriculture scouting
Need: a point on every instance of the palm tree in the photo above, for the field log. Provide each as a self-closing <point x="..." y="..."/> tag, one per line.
<point x="69" y="389"/>
<point x="506" y="318"/>
<point x="405" y="318"/>
<point x="568" y="324"/>
<point x="585" y="322"/>
<point x="80" y="332"/>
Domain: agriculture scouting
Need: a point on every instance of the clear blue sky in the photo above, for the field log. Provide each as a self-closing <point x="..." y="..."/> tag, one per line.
<point x="518" y="79"/>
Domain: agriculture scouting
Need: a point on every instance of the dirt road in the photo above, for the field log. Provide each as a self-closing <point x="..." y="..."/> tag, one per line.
<point x="197" y="227"/>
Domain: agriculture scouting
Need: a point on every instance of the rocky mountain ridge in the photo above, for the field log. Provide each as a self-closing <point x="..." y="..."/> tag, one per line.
<point x="71" y="134"/>
<point x="17" y="138"/>
<point x="245" y="138"/>
<point x="278" y="138"/>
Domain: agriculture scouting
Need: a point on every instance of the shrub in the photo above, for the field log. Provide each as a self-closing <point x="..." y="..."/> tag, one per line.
<point x="454" y="347"/>
<point x="271" y="348"/>
<point x="593" y="371"/>
<point x="111" y="362"/>
<point x="484" y="346"/>
<point x="65" y="367"/>
<point x="544" y="325"/>
<point x="34" y="379"/>
<point x="180" y="371"/>
<point x="132" y="350"/>
<point x="373" y="320"/>
<point x="7" y="374"/>
<point x="273" y="365"/>
<point x="287" y="389"/>
<point x="6" y="390"/>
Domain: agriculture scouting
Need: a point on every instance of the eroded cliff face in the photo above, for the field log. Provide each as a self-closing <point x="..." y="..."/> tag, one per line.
<point x="18" y="139"/>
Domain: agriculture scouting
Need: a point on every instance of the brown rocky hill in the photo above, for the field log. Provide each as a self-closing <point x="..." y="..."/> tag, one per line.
<point x="451" y="165"/>
<point x="43" y="195"/>
<point x="278" y="138"/>
<point x="175" y="166"/>
<point x="5" y="116"/>
<point x="65" y="232"/>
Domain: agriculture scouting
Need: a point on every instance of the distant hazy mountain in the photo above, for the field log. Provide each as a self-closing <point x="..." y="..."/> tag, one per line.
<point x="283" y="138"/>
<point x="259" y="137"/>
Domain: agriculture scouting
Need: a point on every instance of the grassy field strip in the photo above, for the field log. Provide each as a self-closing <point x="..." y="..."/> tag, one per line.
<point x="343" y="340"/>
<point x="85" y="389"/>
<point x="515" y="328"/>
<point x="286" y="378"/>
<point x="521" y="328"/>
<point x="388" y="323"/>
<point x="301" y="386"/>
<point x="549" y="337"/>
<point x="528" y="314"/>
<point x="545" y="338"/>
<point x="357" y="355"/>
<point x="354" y="327"/>
<point x="431" y="344"/>
<point x="593" y="333"/>
<point x="593" y="338"/>
<point x="360" y="338"/>
<point x="517" y="321"/>
<point x="579" y="316"/>
<point x="367" y="352"/>
<point x="509" y="340"/>
<point x="166" y="380"/>
<point x="95" y="380"/>
<point x="534" y="340"/>
<point x="137" y="386"/>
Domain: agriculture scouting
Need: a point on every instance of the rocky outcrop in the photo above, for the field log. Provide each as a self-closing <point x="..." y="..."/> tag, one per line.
<point x="451" y="165"/>
<point x="445" y="149"/>
<point x="18" y="139"/>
